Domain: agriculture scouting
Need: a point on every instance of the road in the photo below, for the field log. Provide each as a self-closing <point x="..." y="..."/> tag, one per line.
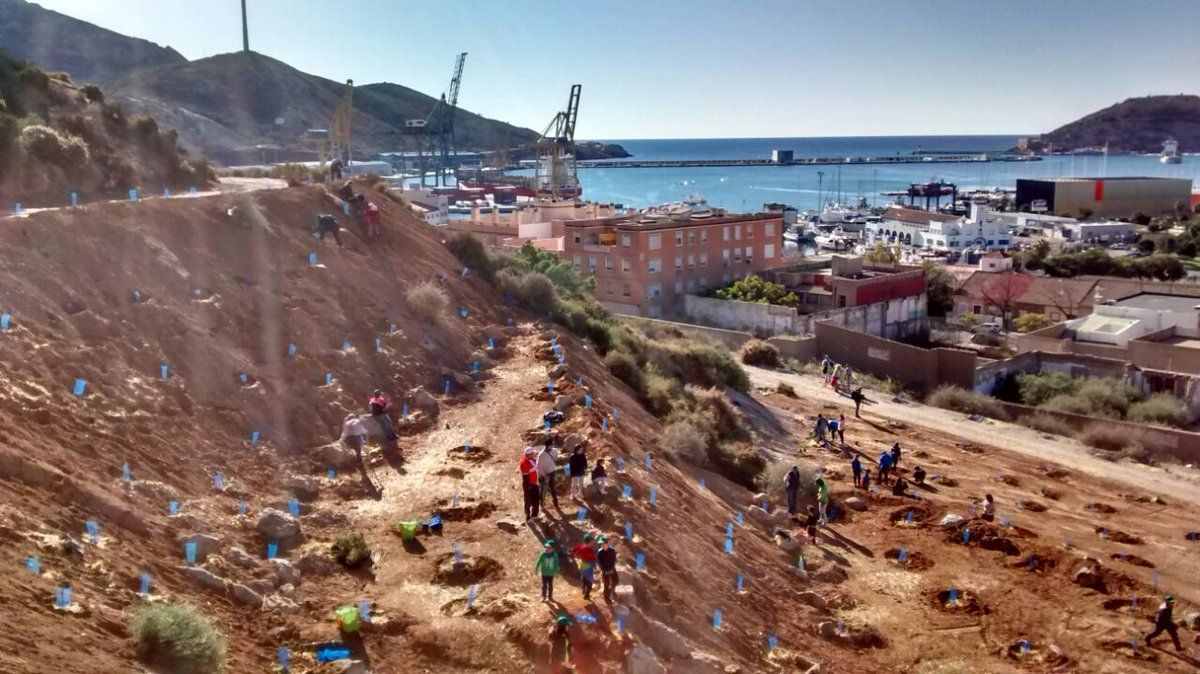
<point x="1177" y="482"/>
<point x="224" y="185"/>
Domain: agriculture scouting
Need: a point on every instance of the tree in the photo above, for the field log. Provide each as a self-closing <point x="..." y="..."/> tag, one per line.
<point x="1146" y="246"/>
<point x="1002" y="291"/>
<point x="1085" y="213"/>
<point x="1031" y="322"/>
<point x="758" y="290"/>
<point x="882" y="254"/>
<point x="1140" y="218"/>
<point x="967" y="320"/>
<point x="940" y="287"/>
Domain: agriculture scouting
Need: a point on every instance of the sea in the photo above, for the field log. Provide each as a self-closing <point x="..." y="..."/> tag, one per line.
<point x="747" y="188"/>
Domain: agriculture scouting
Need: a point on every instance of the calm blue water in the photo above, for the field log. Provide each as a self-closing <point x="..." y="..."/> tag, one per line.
<point x="749" y="188"/>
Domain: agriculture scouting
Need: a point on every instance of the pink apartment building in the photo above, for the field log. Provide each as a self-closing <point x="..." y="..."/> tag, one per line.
<point x="645" y="264"/>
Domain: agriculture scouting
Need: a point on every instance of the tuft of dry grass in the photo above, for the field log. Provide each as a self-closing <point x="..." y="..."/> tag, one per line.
<point x="428" y="301"/>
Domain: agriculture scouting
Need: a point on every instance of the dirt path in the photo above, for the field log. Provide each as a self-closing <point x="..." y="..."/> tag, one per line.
<point x="224" y="186"/>
<point x="1179" y="483"/>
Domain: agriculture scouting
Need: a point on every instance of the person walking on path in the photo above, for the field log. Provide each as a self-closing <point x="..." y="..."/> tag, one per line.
<point x="547" y="466"/>
<point x="584" y="555"/>
<point x="841" y="429"/>
<point x="896" y="456"/>
<point x="826" y="366"/>
<point x="858" y="397"/>
<point x="833" y="379"/>
<point x="600" y="476"/>
<point x="327" y="224"/>
<point x="856" y="468"/>
<point x="822" y="500"/>
<point x="372" y="212"/>
<point x="791" y="485"/>
<point x="547" y="567"/>
<point x="560" y="644"/>
<point x="847" y="375"/>
<point x="1164" y="621"/>
<point x="529" y="484"/>
<point x="606" y="559"/>
<point x="578" y="466"/>
<point x="885" y="467"/>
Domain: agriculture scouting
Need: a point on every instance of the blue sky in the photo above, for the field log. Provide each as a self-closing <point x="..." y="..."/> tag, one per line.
<point x="708" y="68"/>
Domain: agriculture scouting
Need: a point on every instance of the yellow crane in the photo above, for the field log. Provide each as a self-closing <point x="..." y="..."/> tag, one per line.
<point x="333" y="142"/>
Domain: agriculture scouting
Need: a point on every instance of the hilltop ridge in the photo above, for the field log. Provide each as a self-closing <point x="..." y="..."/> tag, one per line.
<point x="1134" y="125"/>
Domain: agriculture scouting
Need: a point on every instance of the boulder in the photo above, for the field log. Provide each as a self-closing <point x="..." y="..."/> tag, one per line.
<point x="642" y="660"/>
<point x="285" y="572"/>
<point x="510" y="525"/>
<point x="571" y="442"/>
<point x="245" y="596"/>
<point x="787" y="543"/>
<point x="665" y="639"/>
<point x="952" y="521"/>
<point x="205" y="545"/>
<point x="420" y="399"/>
<point x="240" y="557"/>
<point x="261" y="586"/>
<point x="335" y="455"/>
<point x="316" y="563"/>
<point x="275" y="602"/>
<point x="827" y="629"/>
<point x="812" y="599"/>
<point x="278" y="525"/>
<point x="562" y="403"/>
<point x="855" y="503"/>
<point x="205" y="578"/>
<point x="1193" y="621"/>
<point x="1090" y="578"/>
<point x="305" y="487"/>
<point x="759" y="498"/>
<point x="348" y="666"/>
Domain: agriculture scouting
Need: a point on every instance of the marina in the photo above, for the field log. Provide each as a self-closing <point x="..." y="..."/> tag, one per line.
<point x="807" y="161"/>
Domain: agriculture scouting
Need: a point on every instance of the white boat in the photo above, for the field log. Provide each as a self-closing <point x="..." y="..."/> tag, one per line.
<point x="839" y="213"/>
<point x="1170" y="153"/>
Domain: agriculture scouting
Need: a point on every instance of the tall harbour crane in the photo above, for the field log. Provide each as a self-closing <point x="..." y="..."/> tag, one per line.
<point x="557" y="175"/>
<point x="435" y="133"/>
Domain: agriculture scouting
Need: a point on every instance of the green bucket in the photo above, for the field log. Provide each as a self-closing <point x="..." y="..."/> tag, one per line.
<point x="407" y="530"/>
<point x="348" y="619"/>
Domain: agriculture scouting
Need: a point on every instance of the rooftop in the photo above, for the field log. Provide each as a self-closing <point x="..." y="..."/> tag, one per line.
<point x="1157" y="302"/>
<point x="1106" y="179"/>
<point x="640" y="222"/>
<point x="917" y="217"/>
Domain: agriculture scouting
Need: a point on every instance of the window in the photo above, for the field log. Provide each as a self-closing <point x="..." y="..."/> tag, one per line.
<point x="679" y="238"/>
<point x="768" y="251"/>
<point x="625" y="240"/>
<point x="625" y="289"/>
<point x="655" y="265"/>
<point x="725" y="257"/>
<point x="691" y="286"/>
<point x="608" y="288"/>
<point x="655" y="241"/>
<point x="704" y="235"/>
<point x="578" y="261"/>
<point x="977" y="309"/>
<point x="691" y="261"/>
<point x="592" y="263"/>
<point x="737" y="254"/>
<point x="737" y="233"/>
<point x="750" y="231"/>
<point x="769" y="229"/>
<point x="749" y="254"/>
<point x="725" y="231"/>
<point x="678" y="262"/>
<point x="654" y="290"/>
<point x="655" y="311"/>
<point x="678" y="287"/>
<point x="607" y="263"/>
<point x="577" y="239"/>
<point x="703" y="281"/>
<point x="692" y="238"/>
<point x="703" y="259"/>
<point x="625" y="268"/>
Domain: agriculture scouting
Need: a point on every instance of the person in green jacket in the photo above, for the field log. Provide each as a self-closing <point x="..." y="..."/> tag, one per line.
<point x="822" y="499"/>
<point x="548" y="566"/>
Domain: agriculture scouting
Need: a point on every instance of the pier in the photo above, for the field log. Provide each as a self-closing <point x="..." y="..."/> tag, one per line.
<point x="806" y="161"/>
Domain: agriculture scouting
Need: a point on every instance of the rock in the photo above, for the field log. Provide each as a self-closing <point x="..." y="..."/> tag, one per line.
<point x="496" y="333"/>
<point x="327" y="518"/>
<point x="285" y="572"/>
<point x="642" y="660"/>
<point x="261" y="586"/>
<point x="1090" y="578"/>
<point x="278" y="525"/>
<point x="274" y="602"/>
<point x="478" y="356"/>
<point x="624" y="593"/>
<point x="759" y="498"/>
<point x="669" y="642"/>
<point x="510" y="525"/>
<point x="1192" y="620"/>
<point x="240" y="557"/>
<point x="316" y="563"/>
<point x="855" y="503"/>
<point x="287" y="590"/>
<point x="812" y="599"/>
<point x="205" y="545"/>
<point x="305" y="487"/>
<point x="558" y="372"/>
<point x="347" y="666"/>
<point x="420" y="399"/>
<point x="335" y="455"/>
<point x="701" y="662"/>
<point x="562" y="403"/>
<point x="205" y="578"/>
<point x="827" y="629"/>
<point x="829" y="574"/>
<point x="787" y="543"/>
<point x="571" y="442"/>
<point x="246" y="596"/>
<point x="952" y="521"/>
<point x="1057" y="654"/>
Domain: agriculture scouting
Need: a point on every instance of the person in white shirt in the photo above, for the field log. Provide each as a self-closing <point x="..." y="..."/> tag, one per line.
<point x="547" y="464"/>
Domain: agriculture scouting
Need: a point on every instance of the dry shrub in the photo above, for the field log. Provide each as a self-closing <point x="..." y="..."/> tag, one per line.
<point x="739" y="463"/>
<point x="387" y="191"/>
<point x="1162" y="409"/>
<point x="63" y="150"/>
<point x="968" y="402"/>
<point x="351" y="550"/>
<point x="714" y="407"/>
<point x="472" y="254"/>
<point x="684" y="440"/>
<point x="531" y="290"/>
<point x="772" y="477"/>
<point x="294" y="174"/>
<point x="245" y="211"/>
<point x="661" y="392"/>
<point x="760" y="354"/>
<point x="178" y="638"/>
<point x="624" y="367"/>
<point x="1047" y="423"/>
<point x="1111" y="437"/>
<point x="784" y="388"/>
<point x="428" y="301"/>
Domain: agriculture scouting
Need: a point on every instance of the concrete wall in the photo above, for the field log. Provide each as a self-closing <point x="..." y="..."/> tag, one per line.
<point x="893" y="319"/>
<point x="1182" y="445"/>
<point x="917" y="367"/>
<point x="991" y="375"/>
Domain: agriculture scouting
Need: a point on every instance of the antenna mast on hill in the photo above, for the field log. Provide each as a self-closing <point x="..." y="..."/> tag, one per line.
<point x="245" y="29"/>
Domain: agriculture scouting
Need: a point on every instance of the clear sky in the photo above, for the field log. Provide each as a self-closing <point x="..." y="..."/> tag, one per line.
<point x="718" y="68"/>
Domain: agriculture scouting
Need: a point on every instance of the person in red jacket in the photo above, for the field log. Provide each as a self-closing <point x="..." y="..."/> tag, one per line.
<point x="372" y="219"/>
<point x="529" y="484"/>
<point x="585" y="558"/>
<point x="379" y="404"/>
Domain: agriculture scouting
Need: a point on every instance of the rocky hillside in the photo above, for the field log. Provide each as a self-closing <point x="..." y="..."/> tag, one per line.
<point x="1134" y="125"/>
<point x="88" y="52"/>
<point x="57" y="137"/>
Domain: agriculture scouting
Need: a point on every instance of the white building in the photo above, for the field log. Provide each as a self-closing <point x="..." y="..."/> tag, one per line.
<point x="939" y="231"/>
<point x="1099" y="232"/>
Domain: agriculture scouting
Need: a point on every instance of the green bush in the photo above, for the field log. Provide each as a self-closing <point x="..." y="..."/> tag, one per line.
<point x="968" y="402"/>
<point x="472" y="254"/>
<point x="760" y="353"/>
<point x="351" y="550"/>
<point x="178" y="638"/>
<point x="756" y="289"/>
<point x="712" y="406"/>
<point x="60" y="149"/>
<point x="1161" y="409"/>
<point x="661" y="393"/>
<point x="532" y="291"/>
<point x="624" y="367"/>
<point x="1047" y="423"/>
<point x="1036" y="388"/>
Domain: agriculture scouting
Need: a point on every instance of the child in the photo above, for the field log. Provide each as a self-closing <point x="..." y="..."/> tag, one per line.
<point x="866" y="480"/>
<point x="560" y="644"/>
<point x="841" y="428"/>
<point x="810" y="524"/>
<point x="600" y="476"/>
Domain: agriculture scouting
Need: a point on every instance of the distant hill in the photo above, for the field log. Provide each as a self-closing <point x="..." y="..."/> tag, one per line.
<point x="1135" y="125"/>
<point x="88" y="52"/>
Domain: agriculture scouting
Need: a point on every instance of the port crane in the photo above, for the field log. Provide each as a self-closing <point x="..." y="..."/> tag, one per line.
<point x="333" y="142"/>
<point x="438" y="127"/>
<point x="557" y="175"/>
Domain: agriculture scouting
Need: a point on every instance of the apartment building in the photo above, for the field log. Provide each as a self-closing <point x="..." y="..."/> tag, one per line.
<point x="645" y="263"/>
